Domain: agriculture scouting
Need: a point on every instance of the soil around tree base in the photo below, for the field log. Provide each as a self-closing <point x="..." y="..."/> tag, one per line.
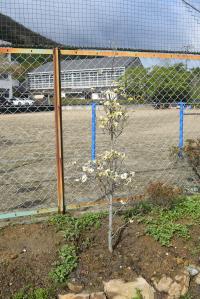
<point x="29" y="251"/>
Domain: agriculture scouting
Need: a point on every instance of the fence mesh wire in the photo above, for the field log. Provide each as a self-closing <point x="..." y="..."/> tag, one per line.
<point x="149" y="89"/>
<point x="27" y="141"/>
<point x="171" y="25"/>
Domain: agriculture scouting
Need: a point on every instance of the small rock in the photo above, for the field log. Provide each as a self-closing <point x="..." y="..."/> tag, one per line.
<point x="192" y="270"/>
<point x="180" y="261"/>
<point x="75" y="287"/>
<point x="67" y="296"/>
<point x="99" y="295"/>
<point x="175" y="290"/>
<point x="74" y="296"/>
<point x="197" y="279"/>
<point x="14" y="256"/>
<point x="118" y="289"/>
<point x="164" y="284"/>
<point x="82" y="296"/>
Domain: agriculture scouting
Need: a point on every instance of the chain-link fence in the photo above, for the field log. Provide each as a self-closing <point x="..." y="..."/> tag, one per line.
<point x="27" y="141"/>
<point x="151" y="90"/>
<point x="151" y="87"/>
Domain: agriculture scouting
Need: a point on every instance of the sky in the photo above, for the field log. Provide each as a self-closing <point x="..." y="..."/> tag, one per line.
<point x="137" y="24"/>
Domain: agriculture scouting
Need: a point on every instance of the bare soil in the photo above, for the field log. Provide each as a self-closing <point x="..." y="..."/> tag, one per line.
<point x="27" y="154"/>
<point x="27" y="254"/>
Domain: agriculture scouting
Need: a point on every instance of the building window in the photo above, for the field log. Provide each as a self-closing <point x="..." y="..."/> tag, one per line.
<point x="3" y="76"/>
<point x="76" y="78"/>
<point x="66" y="80"/>
<point x="4" y="93"/>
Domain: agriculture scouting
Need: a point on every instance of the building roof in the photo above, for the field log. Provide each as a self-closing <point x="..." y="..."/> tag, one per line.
<point x="90" y="63"/>
<point x="4" y="43"/>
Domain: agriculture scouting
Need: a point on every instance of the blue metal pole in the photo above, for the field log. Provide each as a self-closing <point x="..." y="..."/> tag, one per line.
<point x="181" y="128"/>
<point x="93" y="149"/>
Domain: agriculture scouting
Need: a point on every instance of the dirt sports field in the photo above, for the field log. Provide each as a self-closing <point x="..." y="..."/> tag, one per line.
<point x="27" y="153"/>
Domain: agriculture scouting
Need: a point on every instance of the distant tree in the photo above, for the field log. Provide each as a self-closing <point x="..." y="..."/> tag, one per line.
<point x="159" y="84"/>
<point x="195" y="75"/>
<point x="133" y="84"/>
<point x="12" y="68"/>
<point x="169" y="84"/>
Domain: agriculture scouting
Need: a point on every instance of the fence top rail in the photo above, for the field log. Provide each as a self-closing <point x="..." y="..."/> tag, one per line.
<point x="131" y="54"/>
<point x="108" y="53"/>
<point x="26" y="51"/>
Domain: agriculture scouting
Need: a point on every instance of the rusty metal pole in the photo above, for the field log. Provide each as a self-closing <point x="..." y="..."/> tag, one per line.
<point x="59" y="133"/>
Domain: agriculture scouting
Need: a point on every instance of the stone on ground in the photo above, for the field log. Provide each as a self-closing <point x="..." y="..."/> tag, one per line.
<point x="74" y="296"/>
<point x="118" y="289"/>
<point x="174" y="288"/>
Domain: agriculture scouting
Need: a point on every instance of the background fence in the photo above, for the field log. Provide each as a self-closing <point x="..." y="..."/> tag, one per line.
<point x="150" y="89"/>
<point x="27" y="142"/>
<point x="145" y="54"/>
<point x="149" y="85"/>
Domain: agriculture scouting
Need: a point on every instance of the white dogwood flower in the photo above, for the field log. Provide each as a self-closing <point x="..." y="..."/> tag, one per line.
<point x="124" y="176"/>
<point x="84" y="178"/>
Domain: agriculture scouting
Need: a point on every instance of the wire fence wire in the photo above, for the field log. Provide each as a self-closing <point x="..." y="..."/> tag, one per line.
<point x="27" y="141"/>
<point x="155" y="25"/>
<point x="150" y="89"/>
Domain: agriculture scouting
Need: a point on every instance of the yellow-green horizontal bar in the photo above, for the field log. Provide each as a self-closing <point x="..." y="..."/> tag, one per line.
<point x="130" y="54"/>
<point x="27" y="213"/>
<point x="26" y="51"/>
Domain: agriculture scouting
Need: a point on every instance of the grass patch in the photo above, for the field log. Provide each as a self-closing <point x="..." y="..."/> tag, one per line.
<point x="34" y="293"/>
<point x="164" y="224"/>
<point x="73" y="228"/>
<point x="138" y="295"/>
<point x="187" y="296"/>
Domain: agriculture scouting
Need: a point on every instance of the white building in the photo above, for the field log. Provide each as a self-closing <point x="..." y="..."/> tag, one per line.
<point x="83" y="77"/>
<point x="6" y="81"/>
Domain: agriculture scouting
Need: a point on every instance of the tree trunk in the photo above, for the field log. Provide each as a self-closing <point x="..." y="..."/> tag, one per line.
<point x="110" y="229"/>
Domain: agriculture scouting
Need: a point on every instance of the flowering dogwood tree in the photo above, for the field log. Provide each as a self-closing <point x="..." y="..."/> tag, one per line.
<point x="107" y="170"/>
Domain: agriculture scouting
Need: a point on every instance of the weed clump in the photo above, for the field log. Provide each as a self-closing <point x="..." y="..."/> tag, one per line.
<point x="34" y="293"/>
<point x="67" y="263"/>
<point x="162" y="194"/>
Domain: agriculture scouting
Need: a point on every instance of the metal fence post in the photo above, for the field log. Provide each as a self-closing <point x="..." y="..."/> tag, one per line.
<point x="58" y="128"/>
<point x="93" y="147"/>
<point x="181" y="128"/>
